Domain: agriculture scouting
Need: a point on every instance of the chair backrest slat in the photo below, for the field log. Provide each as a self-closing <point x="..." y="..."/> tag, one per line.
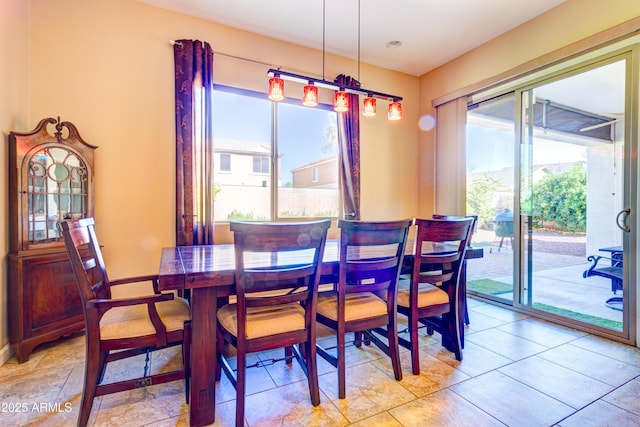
<point x="371" y="255"/>
<point x="89" y="264"/>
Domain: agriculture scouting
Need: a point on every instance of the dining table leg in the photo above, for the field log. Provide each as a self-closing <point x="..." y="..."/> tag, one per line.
<point x="203" y="356"/>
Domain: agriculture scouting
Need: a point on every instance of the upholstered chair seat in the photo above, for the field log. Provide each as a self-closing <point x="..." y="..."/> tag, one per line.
<point x="263" y="321"/>
<point x="357" y="306"/>
<point x="134" y="321"/>
<point x="428" y="295"/>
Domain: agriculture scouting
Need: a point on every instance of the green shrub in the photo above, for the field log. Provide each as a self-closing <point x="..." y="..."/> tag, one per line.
<point x="480" y="196"/>
<point x="234" y="215"/>
<point x="561" y="199"/>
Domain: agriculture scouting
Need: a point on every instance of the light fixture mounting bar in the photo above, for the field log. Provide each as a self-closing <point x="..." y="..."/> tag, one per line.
<point x="298" y="78"/>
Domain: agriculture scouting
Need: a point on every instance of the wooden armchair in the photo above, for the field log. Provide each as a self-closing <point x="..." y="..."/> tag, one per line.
<point x="371" y="255"/>
<point x="278" y="268"/>
<point x="433" y="295"/>
<point x="128" y="326"/>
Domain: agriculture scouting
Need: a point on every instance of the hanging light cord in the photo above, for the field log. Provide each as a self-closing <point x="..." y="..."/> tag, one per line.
<point x="324" y="17"/>
<point x="299" y="78"/>
<point x="358" y="40"/>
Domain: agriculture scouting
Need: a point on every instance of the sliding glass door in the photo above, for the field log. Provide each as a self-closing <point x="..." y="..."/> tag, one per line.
<point x="572" y="186"/>
<point x="548" y="174"/>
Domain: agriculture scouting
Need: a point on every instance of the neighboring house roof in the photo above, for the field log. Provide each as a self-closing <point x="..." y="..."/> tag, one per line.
<point x="240" y="146"/>
<point x="330" y="159"/>
<point x="557" y="168"/>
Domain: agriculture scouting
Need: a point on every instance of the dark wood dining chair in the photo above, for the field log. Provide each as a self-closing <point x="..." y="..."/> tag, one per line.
<point x="433" y="294"/>
<point x="472" y="230"/>
<point x="278" y="268"/>
<point x="119" y="328"/>
<point x="371" y="255"/>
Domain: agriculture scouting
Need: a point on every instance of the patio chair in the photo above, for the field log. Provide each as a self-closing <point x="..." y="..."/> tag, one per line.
<point x="612" y="272"/>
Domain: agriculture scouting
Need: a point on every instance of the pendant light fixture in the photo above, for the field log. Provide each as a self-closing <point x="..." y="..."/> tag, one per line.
<point x="369" y="106"/>
<point x="395" y="111"/>
<point x="341" y="101"/>
<point x="310" y="95"/>
<point x="341" y="97"/>
<point x="276" y="88"/>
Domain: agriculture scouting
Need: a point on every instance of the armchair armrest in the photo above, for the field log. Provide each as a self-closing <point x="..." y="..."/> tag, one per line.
<point x="127" y="280"/>
<point x="102" y="306"/>
<point x="594" y="259"/>
<point x="123" y="281"/>
<point x="106" y="304"/>
<point x="616" y="259"/>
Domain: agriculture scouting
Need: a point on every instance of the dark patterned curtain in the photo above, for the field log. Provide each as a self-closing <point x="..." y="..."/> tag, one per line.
<point x="349" y="141"/>
<point x="194" y="142"/>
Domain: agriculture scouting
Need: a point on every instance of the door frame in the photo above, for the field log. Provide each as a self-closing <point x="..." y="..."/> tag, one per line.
<point x="574" y="66"/>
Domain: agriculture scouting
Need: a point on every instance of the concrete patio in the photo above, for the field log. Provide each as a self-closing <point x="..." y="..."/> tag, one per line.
<point x="557" y="278"/>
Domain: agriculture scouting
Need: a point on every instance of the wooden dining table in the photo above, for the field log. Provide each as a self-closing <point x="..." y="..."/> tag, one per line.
<point x="208" y="272"/>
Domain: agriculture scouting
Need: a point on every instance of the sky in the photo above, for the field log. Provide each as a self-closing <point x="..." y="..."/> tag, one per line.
<point x="494" y="150"/>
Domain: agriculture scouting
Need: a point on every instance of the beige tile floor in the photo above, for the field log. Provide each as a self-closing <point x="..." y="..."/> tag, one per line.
<point x="517" y="371"/>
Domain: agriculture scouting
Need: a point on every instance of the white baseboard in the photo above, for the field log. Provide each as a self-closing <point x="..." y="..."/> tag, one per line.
<point x="5" y="354"/>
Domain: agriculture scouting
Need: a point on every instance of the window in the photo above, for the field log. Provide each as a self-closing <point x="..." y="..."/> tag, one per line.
<point x="285" y="158"/>
<point x="225" y="162"/>
<point x="260" y="165"/>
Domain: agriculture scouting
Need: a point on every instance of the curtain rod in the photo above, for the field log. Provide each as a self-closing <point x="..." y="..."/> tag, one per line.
<point x="278" y="67"/>
<point x="173" y="42"/>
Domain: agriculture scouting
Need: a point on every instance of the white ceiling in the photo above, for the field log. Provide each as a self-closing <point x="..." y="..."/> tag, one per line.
<point x="432" y="32"/>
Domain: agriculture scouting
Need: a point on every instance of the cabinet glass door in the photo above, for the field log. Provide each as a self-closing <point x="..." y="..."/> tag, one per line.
<point x="56" y="189"/>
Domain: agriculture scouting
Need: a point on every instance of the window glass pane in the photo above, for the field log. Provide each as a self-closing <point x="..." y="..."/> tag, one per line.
<point x="261" y="165"/>
<point x="490" y="194"/>
<point x="304" y="158"/>
<point x="307" y="162"/>
<point x="225" y="163"/>
<point x="242" y="132"/>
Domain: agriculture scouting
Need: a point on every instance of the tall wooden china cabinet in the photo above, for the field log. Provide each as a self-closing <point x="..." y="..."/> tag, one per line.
<point x="50" y="178"/>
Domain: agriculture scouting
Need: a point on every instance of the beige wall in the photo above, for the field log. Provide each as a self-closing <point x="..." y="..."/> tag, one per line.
<point x="14" y="114"/>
